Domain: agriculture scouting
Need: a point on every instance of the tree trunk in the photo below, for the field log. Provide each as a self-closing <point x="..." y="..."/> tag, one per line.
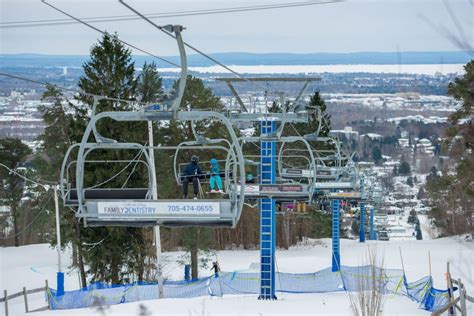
<point x="79" y="253"/>
<point x="114" y="269"/>
<point x="15" y="226"/>
<point x="194" y="262"/>
<point x="74" y="255"/>
<point x="286" y="231"/>
<point x="141" y="267"/>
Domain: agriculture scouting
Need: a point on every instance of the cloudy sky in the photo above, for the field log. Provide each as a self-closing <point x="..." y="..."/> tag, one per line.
<point x="350" y="26"/>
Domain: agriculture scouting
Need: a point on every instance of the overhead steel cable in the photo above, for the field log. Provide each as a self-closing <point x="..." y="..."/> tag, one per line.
<point x="69" y="89"/>
<point x="188" y="45"/>
<point x="45" y="185"/>
<point x="33" y="221"/>
<point x="121" y="41"/>
<point x="118" y="18"/>
<point x="146" y="52"/>
<point x="104" y="32"/>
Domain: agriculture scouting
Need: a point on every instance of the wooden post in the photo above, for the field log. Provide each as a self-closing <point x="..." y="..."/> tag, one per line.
<point x="47" y="293"/>
<point x="26" y="299"/>
<point x="462" y="296"/>
<point x="6" y="302"/>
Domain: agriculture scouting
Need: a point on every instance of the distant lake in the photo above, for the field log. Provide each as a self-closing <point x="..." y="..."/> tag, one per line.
<point x="430" y="69"/>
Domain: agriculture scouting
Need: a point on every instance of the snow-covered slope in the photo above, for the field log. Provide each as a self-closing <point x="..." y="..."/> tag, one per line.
<point x="30" y="265"/>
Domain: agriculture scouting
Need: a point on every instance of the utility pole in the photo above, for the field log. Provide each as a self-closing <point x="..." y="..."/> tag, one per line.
<point x="156" y="229"/>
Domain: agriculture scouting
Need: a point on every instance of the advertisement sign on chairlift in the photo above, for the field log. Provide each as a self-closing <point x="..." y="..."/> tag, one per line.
<point x="153" y="208"/>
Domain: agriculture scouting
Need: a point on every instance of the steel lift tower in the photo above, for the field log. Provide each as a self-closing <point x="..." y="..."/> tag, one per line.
<point x="271" y="127"/>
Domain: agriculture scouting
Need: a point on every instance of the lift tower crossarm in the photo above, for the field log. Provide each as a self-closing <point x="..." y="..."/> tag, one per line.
<point x="230" y="81"/>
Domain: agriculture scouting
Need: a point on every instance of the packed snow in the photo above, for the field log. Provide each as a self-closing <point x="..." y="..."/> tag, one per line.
<point x="29" y="266"/>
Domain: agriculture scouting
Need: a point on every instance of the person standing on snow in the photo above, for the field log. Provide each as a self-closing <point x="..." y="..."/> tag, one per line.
<point x="215" y="177"/>
<point x="216" y="268"/>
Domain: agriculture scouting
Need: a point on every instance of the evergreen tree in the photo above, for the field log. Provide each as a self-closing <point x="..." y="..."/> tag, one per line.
<point x="317" y="102"/>
<point x="150" y="84"/>
<point x="62" y="129"/>
<point x="57" y="136"/>
<point x="376" y="154"/>
<point x="113" y="251"/>
<point x="404" y="169"/>
<point x="453" y="194"/>
<point x="111" y="72"/>
<point x="12" y="153"/>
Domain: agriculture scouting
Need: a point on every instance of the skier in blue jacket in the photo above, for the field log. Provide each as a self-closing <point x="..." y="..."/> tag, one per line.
<point x="215" y="177"/>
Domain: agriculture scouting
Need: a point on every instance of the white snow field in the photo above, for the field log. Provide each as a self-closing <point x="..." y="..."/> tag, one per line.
<point x="426" y="69"/>
<point x="29" y="266"/>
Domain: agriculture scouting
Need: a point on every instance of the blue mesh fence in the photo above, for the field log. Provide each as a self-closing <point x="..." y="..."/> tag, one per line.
<point x="353" y="279"/>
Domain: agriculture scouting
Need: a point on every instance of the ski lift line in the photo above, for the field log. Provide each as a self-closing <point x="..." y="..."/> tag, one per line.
<point x="104" y="32"/>
<point x="162" y="29"/>
<point x="69" y="89"/>
<point x="44" y="185"/>
<point x="27" y="227"/>
<point x="121" y="41"/>
<point x="118" y="18"/>
<point x="104" y="162"/>
<point x="133" y="169"/>
<point x="137" y="156"/>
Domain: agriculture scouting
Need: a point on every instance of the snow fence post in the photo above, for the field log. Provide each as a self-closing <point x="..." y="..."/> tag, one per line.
<point x="26" y="299"/>
<point x="46" y="288"/>
<point x="6" y="302"/>
<point x="60" y="282"/>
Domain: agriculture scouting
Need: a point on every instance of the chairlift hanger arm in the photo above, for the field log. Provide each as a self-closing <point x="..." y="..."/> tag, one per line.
<point x="300" y="94"/>
<point x="237" y="96"/>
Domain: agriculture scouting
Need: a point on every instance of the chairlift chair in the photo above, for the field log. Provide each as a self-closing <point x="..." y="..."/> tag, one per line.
<point x="137" y="206"/>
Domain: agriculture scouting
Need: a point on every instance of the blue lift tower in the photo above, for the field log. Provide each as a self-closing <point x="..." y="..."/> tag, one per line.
<point x="336" y="246"/>
<point x="372" y="230"/>
<point x="269" y="125"/>
<point x="267" y="214"/>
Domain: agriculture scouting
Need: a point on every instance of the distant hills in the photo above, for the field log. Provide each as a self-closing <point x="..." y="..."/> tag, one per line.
<point x="375" y="58"/>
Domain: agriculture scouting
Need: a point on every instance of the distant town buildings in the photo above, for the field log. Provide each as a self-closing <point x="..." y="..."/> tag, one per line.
<point x="347" y="132"/>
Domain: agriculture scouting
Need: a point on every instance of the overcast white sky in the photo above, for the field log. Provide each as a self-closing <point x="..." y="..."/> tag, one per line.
<point x="352" y="26"/>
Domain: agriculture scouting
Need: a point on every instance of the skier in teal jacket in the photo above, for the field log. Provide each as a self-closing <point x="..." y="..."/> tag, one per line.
<point x="215" y="177"/>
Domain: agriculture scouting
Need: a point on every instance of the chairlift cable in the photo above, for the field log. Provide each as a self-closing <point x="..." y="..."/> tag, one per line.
<point x="104" y="33"/>
<point x="28" y="179"/>
<point x="68" y="89"/>
<point x="162" y="29"/>
<point x="121" y="41"/>
<point x="118" y="173"/>
<point x="134" y="166"/>
<point x="27" y="227"/>
<point x="118" y="18"/>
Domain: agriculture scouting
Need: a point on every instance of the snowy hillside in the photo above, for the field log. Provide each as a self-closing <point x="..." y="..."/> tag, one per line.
<point x="30" y="265"/>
